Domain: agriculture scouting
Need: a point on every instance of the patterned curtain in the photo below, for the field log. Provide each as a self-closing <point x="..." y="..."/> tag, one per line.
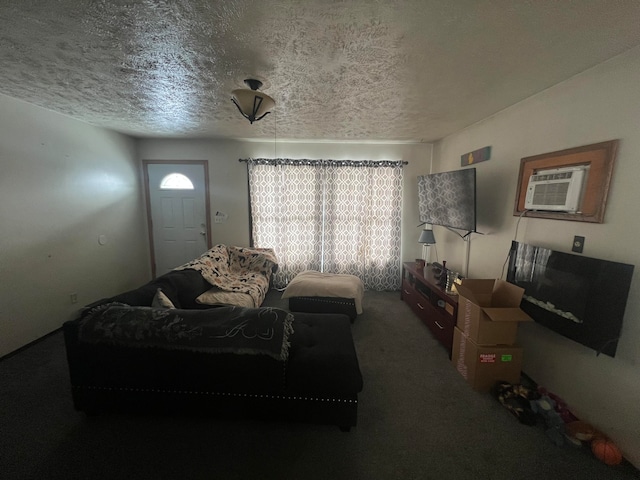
<point x="328" y="215"/>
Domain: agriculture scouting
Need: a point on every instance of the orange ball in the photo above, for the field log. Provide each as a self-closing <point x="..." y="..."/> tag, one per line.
<point x="606" y="451"/>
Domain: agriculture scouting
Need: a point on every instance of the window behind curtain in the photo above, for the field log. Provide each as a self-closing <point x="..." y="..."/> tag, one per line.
<point x="330" y="216"/>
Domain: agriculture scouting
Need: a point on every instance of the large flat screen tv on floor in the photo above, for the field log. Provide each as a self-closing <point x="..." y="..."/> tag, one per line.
<point x="581" y="298"/>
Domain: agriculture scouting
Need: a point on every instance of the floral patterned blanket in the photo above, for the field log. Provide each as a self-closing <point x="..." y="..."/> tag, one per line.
<point x="237" y="269"/>
<point x="253" y="331"/>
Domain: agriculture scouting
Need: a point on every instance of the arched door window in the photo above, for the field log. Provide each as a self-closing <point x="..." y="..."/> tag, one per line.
<point x="176" y="181"/>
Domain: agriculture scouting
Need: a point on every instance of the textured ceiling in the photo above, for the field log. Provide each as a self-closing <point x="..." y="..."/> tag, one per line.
<point x="361" y="70"/>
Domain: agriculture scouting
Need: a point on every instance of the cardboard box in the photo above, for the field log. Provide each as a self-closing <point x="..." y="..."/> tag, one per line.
<point x="484" y="365"/>
<point x="489" y="311"/>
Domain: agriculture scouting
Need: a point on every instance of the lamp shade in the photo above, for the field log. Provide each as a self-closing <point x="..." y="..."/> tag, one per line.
<point x="426" y="236"/>
<point x="253" y="105"/>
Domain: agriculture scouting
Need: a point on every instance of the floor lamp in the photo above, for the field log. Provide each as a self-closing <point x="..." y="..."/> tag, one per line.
<point x="426" y="239"/>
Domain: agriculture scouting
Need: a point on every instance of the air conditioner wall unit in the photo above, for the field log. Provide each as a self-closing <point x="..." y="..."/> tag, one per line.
<point x="557" y="189"/>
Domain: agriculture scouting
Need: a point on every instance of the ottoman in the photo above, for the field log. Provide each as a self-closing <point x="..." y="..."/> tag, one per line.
<point x="316" y="292"/>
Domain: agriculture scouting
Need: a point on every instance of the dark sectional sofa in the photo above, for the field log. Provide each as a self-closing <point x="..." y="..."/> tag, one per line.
<point x="318" y="382"/>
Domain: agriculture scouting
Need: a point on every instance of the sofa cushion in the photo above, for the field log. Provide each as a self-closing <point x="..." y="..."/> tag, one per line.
<point x="215" y="296"/>
<point x="181" y="287"/>
<point x="160" y="300"/>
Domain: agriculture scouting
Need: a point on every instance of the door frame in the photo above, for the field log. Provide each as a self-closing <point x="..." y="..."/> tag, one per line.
<point x="207" y="202"/>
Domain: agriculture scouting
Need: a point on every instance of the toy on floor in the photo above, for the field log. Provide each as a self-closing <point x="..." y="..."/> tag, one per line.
<point x="544" y="407"/>
<point x="606" y="451"/>
<point x="560" y="405"/>
<point x="517" y="399"/>
<point x="581" y="431"/>
<point x="561" y="425"/>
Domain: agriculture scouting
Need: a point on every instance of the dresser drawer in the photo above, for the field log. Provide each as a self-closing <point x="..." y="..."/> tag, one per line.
<point x="441" y="326"/>
<point x="416" y="301"/>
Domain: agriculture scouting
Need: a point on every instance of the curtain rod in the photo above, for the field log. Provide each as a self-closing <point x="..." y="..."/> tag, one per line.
<point x="246" y="160"/>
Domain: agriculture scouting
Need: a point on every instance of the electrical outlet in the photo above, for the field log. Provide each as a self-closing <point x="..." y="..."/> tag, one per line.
<point x="74" y="297"/>
<point x="578" y="244"/>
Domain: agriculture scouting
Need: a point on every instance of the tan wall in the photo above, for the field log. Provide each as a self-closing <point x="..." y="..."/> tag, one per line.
<point x="598" y="105"/>
<point x="228" y="176"/>
<point x="63" y="184"/>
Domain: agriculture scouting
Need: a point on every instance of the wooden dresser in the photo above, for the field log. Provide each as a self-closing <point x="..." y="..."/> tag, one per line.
<point x="437" y="309"/>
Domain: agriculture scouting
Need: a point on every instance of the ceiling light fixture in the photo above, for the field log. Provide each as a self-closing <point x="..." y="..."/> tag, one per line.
<point x="253" y="105"/>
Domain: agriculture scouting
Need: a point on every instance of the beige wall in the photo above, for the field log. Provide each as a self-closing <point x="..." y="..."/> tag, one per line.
<point x="63" y="184"/>
<point x="598" y="105"/>
<point x="228" y="176"/>
<point x="66" y="183"/>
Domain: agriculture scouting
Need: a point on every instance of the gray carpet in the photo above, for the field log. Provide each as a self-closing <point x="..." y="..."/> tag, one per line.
<point x="418" y="419"/>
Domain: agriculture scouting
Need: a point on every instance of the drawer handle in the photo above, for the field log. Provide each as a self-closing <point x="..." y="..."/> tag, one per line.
<point x="406" y="292"/>
<point x="439" y="326"/>
<point x="420" y="306"/>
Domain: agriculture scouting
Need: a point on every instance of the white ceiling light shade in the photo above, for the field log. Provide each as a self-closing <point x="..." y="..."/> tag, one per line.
<point x="253" y="105"/>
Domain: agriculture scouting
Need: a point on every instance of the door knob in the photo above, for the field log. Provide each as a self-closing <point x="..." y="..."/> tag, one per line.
<point x="203" y="233"/>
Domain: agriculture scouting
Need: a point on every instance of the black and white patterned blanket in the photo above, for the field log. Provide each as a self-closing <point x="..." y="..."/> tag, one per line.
<point x="237" y="269"/>
<point x="240" y="330"/>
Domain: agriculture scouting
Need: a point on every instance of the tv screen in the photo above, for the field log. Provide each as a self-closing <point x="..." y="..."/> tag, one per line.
<point x="448" y="199"/>
<point x="581" y="298"/>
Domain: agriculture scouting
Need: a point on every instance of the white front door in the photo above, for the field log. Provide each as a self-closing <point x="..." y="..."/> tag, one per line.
<point x="178" y="213"/>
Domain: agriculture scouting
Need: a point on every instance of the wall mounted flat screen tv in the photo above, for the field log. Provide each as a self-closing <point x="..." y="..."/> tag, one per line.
<point x="581" y="298"/>
<point x="448" y="199"/>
